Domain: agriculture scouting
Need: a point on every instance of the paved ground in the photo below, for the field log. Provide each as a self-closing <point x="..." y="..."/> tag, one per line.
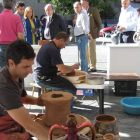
<point x="70" y="55"/>
<point x="128" y="124"/>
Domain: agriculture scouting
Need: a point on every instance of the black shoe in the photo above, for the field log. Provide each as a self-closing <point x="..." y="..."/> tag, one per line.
<point x="92" y="70"/>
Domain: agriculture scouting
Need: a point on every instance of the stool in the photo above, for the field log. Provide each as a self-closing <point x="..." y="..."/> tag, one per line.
<point x="34" y="85"/>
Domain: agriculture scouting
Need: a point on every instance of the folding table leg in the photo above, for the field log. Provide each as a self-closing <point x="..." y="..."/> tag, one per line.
<point x="101" y="101"/>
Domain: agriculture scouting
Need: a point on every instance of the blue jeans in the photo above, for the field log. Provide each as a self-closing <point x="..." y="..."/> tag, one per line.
<point x="3" y="61"/>
<point x="73" y="91"/>
<point x="82" y="42"/>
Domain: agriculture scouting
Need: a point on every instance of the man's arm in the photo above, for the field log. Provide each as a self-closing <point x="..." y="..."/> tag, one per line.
<point x="67" y="69"/>
<point x="22" y="116"/>
<point x="19" y="27"/>
<point x="34" y="101"/>
<point x="85" y="25"/>
<point x="21" y="36"/>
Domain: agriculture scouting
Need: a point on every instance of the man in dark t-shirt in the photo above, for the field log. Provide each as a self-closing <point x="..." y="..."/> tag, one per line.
<point x="48" y="62"/>
<point x="15" y="121"/>
<point x="48" y="57"/>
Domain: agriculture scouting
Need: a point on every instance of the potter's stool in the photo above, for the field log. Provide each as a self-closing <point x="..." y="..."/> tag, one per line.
<point x="34" y="85"/>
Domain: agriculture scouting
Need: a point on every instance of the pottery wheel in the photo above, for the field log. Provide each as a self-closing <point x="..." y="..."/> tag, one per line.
<point x="80" y="119"/>
<point x="79" y="77"/>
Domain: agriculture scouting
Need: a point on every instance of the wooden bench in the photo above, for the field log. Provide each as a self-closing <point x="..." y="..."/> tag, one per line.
<point x="125" y="83"/>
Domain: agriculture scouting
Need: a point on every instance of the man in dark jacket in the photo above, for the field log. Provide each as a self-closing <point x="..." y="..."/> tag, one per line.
<point x="53" y="23"/>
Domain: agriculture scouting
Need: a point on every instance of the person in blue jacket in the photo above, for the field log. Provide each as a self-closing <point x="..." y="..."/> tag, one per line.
<point x="31" y="27"/>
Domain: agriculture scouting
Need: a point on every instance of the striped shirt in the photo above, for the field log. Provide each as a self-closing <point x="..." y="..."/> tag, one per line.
<point x="23" y="23"/>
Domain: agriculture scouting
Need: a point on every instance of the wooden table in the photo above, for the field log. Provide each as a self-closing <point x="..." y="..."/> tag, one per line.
<point x="123" y="58"/>
<point x="108" y="77"/>
<point x="121" y="77"/>
<point x="101" y="93"/>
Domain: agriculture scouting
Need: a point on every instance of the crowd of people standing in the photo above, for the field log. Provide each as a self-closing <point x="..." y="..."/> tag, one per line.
<point x="18" y="31"/>
<point x="49" y="25"/>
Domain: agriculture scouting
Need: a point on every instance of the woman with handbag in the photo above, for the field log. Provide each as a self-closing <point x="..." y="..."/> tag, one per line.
<point x="32" y="31"/>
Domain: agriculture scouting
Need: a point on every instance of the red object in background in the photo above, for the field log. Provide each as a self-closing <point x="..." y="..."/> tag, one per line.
<point x="80" y="92"/>
<point x="72" y="129"/>
<point x="108" y="29"/>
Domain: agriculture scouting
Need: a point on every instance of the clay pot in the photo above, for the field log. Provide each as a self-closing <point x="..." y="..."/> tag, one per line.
<point x="106" y="124"/>
<point x="71" y="120"/>
<point x="57" y="104"/>
<point x="57" y="108"/>
<point x="108" y="136"/>
<point x="78" y="77"/>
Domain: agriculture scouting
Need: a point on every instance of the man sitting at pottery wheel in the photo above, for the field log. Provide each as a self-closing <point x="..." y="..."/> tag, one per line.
<point x="15" y="121"/>
<point x="48" y="62"/>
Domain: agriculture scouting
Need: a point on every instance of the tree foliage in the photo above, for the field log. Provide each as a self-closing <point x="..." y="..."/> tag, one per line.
<point x="65" y="7"/>
<point x="106" y="10"/>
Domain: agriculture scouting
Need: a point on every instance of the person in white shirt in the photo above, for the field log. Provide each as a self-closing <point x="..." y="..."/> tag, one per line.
<point x="127" y="22"/>
<point x="95" y="23"/>
<point x="81" y="32"/>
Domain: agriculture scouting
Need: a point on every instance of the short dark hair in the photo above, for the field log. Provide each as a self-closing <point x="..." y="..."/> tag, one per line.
<point x="20" y="4"/>
<point x="8" y="4"/>
<point x="36" y="16"/>
<point x="42" y="16"/>
<point x="63" y="35"/>
<point x="18" y="50"/>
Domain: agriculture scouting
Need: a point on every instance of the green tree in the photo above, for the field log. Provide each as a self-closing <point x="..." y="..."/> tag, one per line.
<point x="65" y="7"/>
<point x="106" y="10"/>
